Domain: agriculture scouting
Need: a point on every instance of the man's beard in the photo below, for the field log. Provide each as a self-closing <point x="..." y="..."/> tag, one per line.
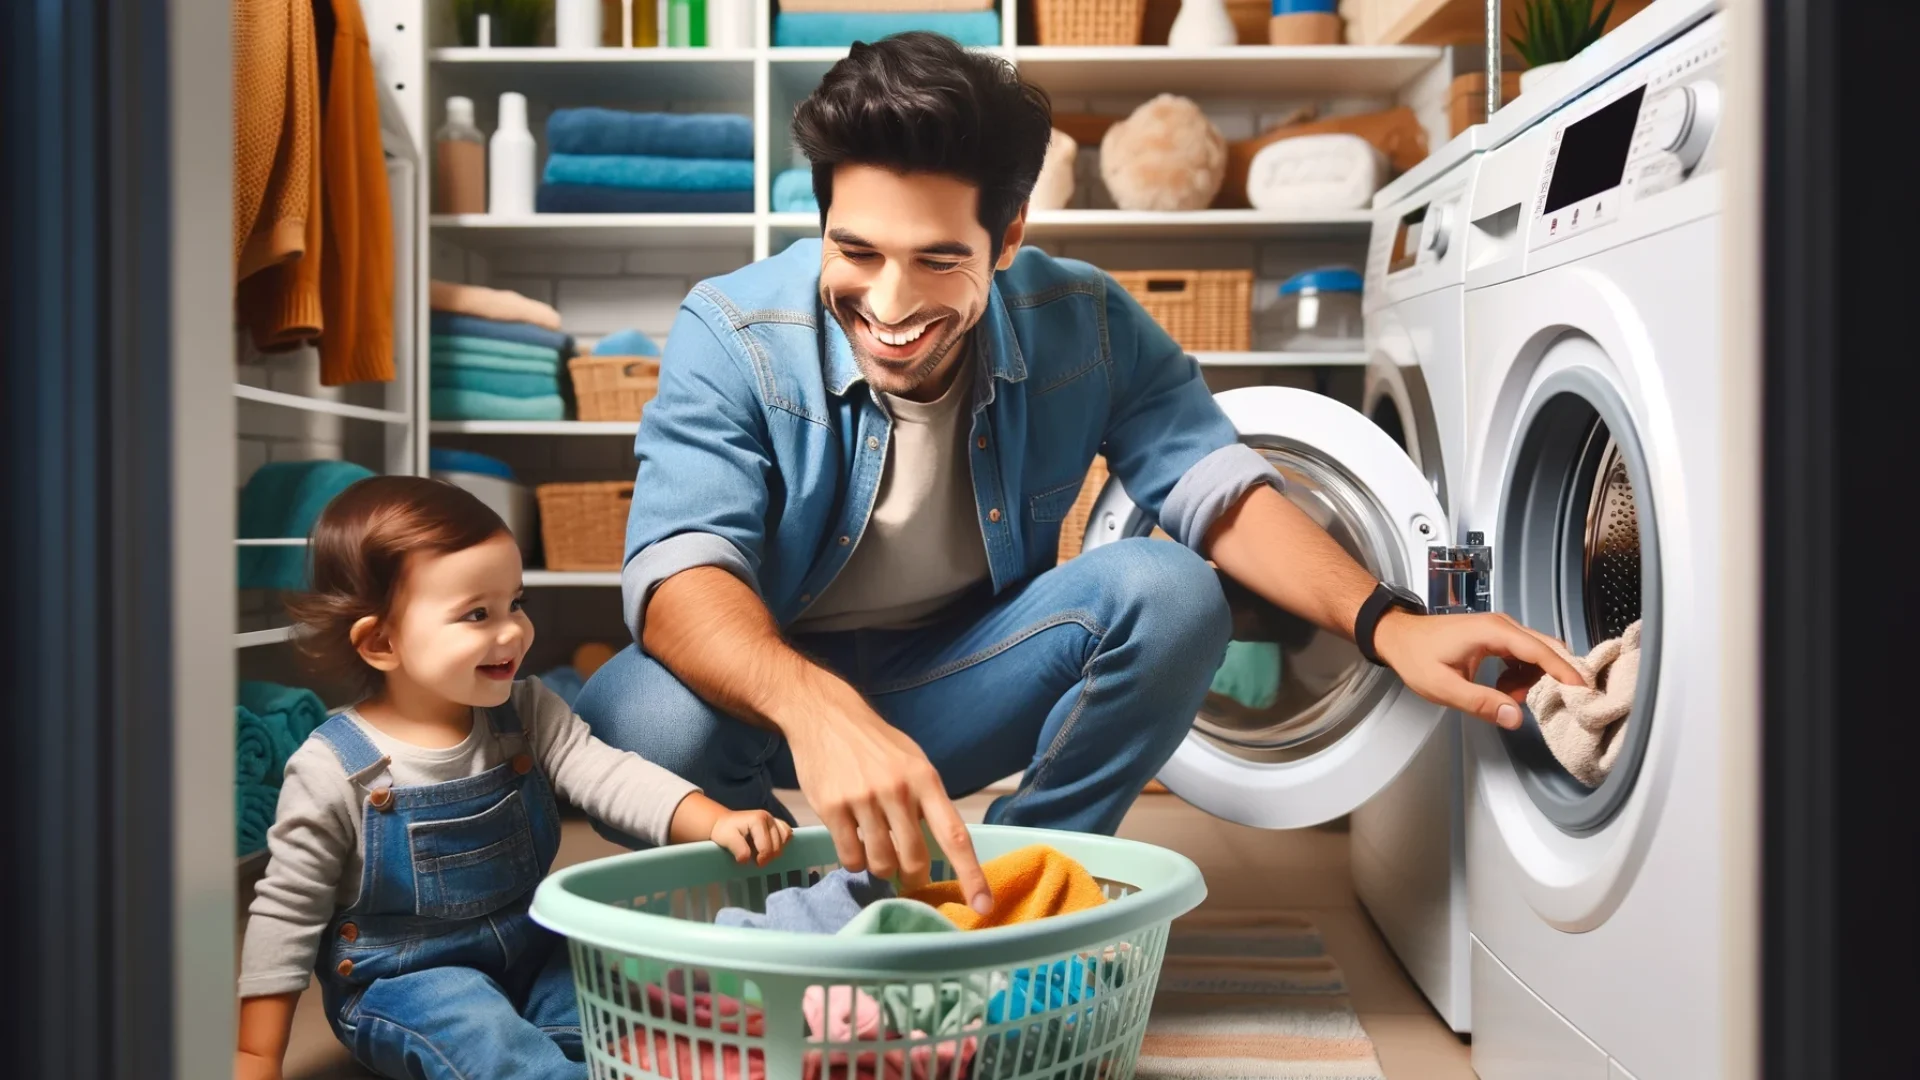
<point x="889" y="379"/>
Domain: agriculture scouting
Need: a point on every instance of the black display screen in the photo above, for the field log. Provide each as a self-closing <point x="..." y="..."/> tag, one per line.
<point x="1593" y="152"/>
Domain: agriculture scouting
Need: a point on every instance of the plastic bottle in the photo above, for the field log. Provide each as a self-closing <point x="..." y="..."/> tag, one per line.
<point x="459" y="162"/>
<point x="697" y="23"/>
<point x="680" y="23"/>
<point x="510" y="160"/>
<point x="576" y="24"/>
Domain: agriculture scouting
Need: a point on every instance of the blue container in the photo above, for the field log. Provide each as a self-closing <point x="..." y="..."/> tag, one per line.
<point x="1306" y="7"/>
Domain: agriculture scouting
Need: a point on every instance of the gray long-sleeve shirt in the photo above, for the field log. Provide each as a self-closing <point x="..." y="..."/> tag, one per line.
<point x="314" y="848"/>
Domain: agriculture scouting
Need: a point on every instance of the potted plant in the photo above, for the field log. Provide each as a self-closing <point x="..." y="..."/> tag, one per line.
<point x="1553" y="32"/>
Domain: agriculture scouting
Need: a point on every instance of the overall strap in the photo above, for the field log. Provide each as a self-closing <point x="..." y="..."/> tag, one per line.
<point x="366" y="766"/>
<point x="504" y="718"/>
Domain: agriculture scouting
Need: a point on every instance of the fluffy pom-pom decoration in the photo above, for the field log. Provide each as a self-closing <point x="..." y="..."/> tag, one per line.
<point x="1166" y="156"/>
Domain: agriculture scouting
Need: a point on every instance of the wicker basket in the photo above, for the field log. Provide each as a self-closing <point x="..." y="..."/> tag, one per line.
<point x="584" y="526"/>
<point x="613" y="387"/>
<point x="1073" y="529"/>
<point x="1089" y="22"/>
<point x="1203" y="310"/>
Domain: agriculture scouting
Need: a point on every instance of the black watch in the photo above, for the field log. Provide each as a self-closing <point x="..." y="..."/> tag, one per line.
<point x="1384" y="596"/>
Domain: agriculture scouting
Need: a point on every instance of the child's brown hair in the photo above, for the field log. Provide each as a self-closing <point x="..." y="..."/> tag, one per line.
<point x="358" y="552"/>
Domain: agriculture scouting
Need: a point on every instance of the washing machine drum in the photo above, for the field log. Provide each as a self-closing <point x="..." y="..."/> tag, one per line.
<point x="1305" y="729"/>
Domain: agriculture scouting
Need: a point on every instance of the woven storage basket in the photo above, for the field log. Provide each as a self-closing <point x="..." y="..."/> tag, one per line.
<point x="1089" y="22"/>
<point x="613" y="387"/>
<point x="584" y="526"/>
<point x="1202" y="310"/>
<point x="1073" y="529"/>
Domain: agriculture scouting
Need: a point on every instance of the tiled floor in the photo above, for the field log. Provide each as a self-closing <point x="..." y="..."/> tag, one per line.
<point x="1246" y="869"/>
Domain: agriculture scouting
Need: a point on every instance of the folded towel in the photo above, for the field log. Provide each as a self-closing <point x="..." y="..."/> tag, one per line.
<point x="511" y="350"/>
<point x="500" y="305"/>
<point x="839" y="30"/>
<point x="448" y="322"/>
<point x="793" y="192"/>
<point x="510" y="384"/>
<point x="824" y="907"/>
<point x="649" y="173"/>
<point x="253" y="810"/>
<point x="653" y="134"/>
<point x="588" y="199"/>
<point x="288" y="713"/>
<point x="452" y="404"/>
<point x="892" y="6"/>
<point x="1034" y="882"/>
<point x="1250" y="674"/>
<point x="447" y="459"/>
<point x="487" y="362"/>
<point x="1584" y="725"/>
<point x="283" y="499"/>
<point x="626" y="343"/>
<point x="253" y="752"/>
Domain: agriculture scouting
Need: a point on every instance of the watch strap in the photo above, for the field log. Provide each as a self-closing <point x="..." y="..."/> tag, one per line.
<point x="1375" y="607"/>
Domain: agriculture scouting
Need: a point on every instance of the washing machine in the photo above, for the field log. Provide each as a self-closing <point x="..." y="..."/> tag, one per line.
<point x="1593" y="382"/>
<point x="1408" y="843"/>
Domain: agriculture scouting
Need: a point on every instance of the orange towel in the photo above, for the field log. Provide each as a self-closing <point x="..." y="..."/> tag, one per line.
<point x="1033" y="883"/>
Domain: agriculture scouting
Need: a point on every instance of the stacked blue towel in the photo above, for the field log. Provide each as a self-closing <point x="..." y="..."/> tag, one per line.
<point x="839" y="29"/>
<point x="486" y="370"/>
<point x="793" y="192"/>
<point x="282" y="499"/>
<point x="270" y="723"/>
<point x="605" y="161"/>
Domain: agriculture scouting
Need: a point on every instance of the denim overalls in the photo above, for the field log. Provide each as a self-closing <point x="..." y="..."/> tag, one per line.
<point x="437" y="971"/>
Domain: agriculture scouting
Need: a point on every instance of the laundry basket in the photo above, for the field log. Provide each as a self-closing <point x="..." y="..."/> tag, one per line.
<point x="664" y="993"/>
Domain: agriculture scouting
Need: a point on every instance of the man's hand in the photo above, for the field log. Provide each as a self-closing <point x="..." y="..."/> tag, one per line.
<point x="1437" y="656"/>
<point x="872" y="786"/>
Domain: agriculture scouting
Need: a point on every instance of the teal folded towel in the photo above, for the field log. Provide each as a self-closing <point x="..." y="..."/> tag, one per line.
<point x="487" y="362"/>
<point x="505" y="350"/>
<point x="649" y="173"/>
<point x="284" y="499"/>
<point x="289" y="713"/>
<point x="681" y="135"/>
<point x="793" y="192"/>
<point x="504" y="383"/>
<point x="1250" y="673"/>
<point x="842" y="28"/>
<point x="452" y="404"/>
<point x="253" y="750"/>
<point x="449" y="322"/>
<point x="253" y="809"/>
<point x="626" y="343"/>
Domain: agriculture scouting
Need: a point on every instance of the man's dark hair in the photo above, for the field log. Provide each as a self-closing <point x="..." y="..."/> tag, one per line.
<point x="918" y="102"/>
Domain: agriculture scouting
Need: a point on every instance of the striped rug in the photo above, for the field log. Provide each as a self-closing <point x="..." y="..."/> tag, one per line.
<point x="1249" y="997"/>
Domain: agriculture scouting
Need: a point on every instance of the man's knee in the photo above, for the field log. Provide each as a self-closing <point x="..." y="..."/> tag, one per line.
<point x="1166" y="591"/>
<point x="636" y="704"/>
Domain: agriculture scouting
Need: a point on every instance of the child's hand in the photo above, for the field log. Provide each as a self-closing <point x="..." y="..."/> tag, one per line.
<point x="752" y="835"/>
<point x="248" y="1066"/>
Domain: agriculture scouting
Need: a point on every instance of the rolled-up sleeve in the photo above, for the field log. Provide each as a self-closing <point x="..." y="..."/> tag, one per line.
<point x="1167" y="440"/>
<point x="700" y="493"/>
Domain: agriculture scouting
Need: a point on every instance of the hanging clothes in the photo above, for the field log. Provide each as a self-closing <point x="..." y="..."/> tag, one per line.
<point x="276" y="171"/>
<point x="356" y="269"/>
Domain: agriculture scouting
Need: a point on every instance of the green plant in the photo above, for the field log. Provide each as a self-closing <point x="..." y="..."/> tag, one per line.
<point x="1553" y="31"/>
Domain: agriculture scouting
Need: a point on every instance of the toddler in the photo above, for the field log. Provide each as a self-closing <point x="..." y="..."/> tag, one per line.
<point x="413" y="827"/>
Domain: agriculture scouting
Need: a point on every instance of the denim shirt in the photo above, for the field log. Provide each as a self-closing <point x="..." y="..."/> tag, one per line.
<point x="758" y="455"/>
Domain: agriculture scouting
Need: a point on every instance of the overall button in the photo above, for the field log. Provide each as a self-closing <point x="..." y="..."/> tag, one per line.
<point x="345" y="968"/>
<point x="845" y="540"/>
<point x="873" y="443"/>
<point x="349" y="932"/>
<point x="981" y="442"/>
<point x="522" y="764"/>
<point x="993" y="515"/>
<point x="381" y="798"/>
<point x="806" y="598"/>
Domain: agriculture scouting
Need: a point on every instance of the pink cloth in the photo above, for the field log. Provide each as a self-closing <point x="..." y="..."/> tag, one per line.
<point x="843" y="1014"/>
<point x="713" y="1012"/>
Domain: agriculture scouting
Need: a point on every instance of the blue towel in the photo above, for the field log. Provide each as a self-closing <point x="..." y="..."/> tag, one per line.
<point x="448" y="322"/>
<point x="626" y="343"/>
<point x="588" y="199"/>
<point x="252" y="747"/>
<point x="793" y="192"/>
<point x="504" y="383"/>
<point x="284" y="499"/>
<point x="447" y="403"/>
<point x="506" y="350"/>
<point x="681" y="135"/>
<point x="253" y="810"/>
<point x="840" y="29"/>
<point x="824" y="907"/>
<point x="649" y="173"/>
<point x="486" y="362"/>
<point x="565" y="681"/>
<point x="447" y="459"/>
<point x="290" y="713"/>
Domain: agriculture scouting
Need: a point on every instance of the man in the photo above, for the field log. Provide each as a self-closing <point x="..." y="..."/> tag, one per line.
<point x="840" y="556"/>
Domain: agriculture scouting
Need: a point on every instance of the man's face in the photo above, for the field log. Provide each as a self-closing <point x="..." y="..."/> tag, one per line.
<point x="905" y="268"/>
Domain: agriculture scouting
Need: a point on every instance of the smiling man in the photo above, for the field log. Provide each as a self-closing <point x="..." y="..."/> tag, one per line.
<point x="840" y="561"/>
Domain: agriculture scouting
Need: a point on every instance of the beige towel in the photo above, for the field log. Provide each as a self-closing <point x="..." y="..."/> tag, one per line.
<point x="499" y="305"/>
<point x="1585" y="726"/>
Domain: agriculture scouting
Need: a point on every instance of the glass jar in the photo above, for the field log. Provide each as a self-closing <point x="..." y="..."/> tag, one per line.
<point x="1315" y="311"/>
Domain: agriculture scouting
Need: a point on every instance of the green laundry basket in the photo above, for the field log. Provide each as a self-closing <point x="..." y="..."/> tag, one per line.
<point x="665" y="993"/>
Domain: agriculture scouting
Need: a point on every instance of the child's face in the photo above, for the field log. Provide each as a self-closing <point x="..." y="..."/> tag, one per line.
<point x="458" y="629"/>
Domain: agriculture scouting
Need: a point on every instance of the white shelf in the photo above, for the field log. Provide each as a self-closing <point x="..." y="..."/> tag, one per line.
<point x="1280" y="359"/>
<point x="268" y="542"/>
<point x="1235" y="71"/>
<point x="534" y="579"/>
<point x="1150" y="224"/>
<point x="551" y="76"/>
<point x="317" y="405"/>
<point x="251" y="638"/>
<point x="534" y="427"/>
<point x="490" y="232"/>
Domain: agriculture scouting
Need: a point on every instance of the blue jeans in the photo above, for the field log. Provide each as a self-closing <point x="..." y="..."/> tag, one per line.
<point x="1087" y="677"/>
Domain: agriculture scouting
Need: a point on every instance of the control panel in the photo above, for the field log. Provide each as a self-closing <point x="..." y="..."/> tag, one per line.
<point x="1408" y="251"/>
<point x="1646" y="132"/>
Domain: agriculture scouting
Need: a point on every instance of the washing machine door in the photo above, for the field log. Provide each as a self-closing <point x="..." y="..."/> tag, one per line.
<point x="1326" y="730"/>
